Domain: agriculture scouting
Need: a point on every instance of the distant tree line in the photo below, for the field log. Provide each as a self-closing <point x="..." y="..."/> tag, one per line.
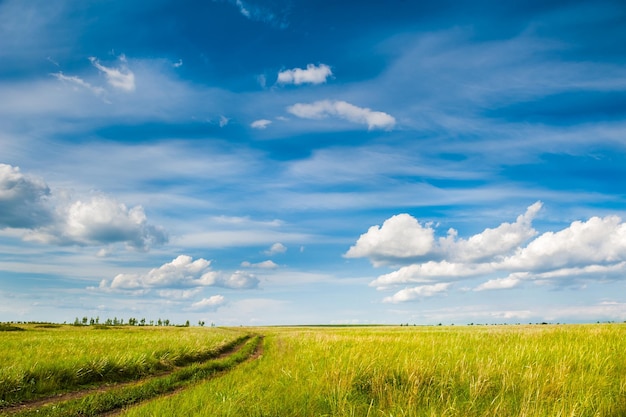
<point x="91" y="321"/>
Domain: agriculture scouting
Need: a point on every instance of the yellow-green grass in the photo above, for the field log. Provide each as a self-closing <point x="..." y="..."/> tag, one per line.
<point x="114" y="398"/>
<point x="45" y="360"/>
<point x="552" y="370"/>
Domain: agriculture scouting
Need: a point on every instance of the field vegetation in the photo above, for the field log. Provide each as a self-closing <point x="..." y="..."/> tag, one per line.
<point x="41" y="360"/>
<point x="573" y="370"/>
<point x="516" y="370"/>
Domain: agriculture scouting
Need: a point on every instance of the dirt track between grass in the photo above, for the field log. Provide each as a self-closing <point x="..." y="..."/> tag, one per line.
<point x="258" y="352"/>
<point x="81" y="393"/>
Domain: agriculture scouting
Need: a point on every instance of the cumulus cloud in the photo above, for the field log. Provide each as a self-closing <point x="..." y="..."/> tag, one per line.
<point x="492" y="242"/>
<point x="269" y="264"/>
<point x="403" y="239"/>
<point x="238" y="279"/>
<point x="500" y="283"/>
<point x="311" y="75"/>
<point x="28" y="203"/>
<point x="120" y="78"/>
<point x="401" y="236"/>
<point x="182" y="272"/>
<point x="343" y="110"/>
<point x="276" y="248"/>
<point x="422" y="291"/>
<point x="260" y="124"/>
<point x="24" y="200"/>
<point x="430" y="271"/>
<point x="598" y="241"/>
<point x="210" y="303"/>
<point x="100" y="220"/>
<point x="508" y="255"/>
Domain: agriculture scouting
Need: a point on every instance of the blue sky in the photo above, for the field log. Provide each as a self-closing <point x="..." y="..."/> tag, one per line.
<point x="293" y="162"/>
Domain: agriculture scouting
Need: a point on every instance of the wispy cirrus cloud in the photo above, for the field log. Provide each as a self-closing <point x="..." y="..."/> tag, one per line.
<point x="120" y="77"/>
<point x="259" y="13"/>
<point x="311" y="75"/>
<point x="73" y="79"/>
<point x="343" y="110"/>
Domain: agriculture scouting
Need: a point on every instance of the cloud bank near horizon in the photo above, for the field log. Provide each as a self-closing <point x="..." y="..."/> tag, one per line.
<point x="510" y="255"/>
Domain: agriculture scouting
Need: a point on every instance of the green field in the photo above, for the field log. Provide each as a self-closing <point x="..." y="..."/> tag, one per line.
<point x="41" y="361"/>
<point x="538" y="370"/>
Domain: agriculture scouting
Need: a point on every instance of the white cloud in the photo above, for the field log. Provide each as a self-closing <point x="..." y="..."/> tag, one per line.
<point x="242" y="8"/>
<point x="79" y="82"/>
<point x="276" y="248"/>
<point x="500" y="283"/>
<point x="176" y="294"/>
<point x="23" y="199"/>
<point x="121" y="78"/>
<point x="210" y="303"/>
<point x="343" y="110"/>
<point x="512" y="314"/>
<point x="269" y="264"/>
<point x="400" y="236"/>
<point x="423" y="291"/>
<point x="403" y="239"/>
<point x="598" y="241"/>
<point x="223" y="121"/>
<point x="182" y="272"/>
<point x="430" y="271"/>
<point x="591" y="250"/>
<point x="100" y="220"/>
<point x="258" y="13"/>
<point x="238" y="279"/>
<point x="311" y="75"/>
<point x="492" y="242"/>
<point x="260" y="124"/>
<point x="27" y="203"/>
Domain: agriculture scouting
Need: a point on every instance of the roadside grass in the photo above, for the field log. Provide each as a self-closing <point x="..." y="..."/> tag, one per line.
<point x="98" y="403"/>
<point x="530" y="371"/>
<point x="39" y="362"/>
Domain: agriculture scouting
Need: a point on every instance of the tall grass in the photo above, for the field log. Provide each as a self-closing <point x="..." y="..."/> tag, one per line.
<point x="40" y="361"/>
<point x="449" y="371"/>
<point x="99" y="403"/>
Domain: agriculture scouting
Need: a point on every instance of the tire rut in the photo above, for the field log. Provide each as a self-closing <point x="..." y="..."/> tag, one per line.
<point x="74" y="395"/>
<point x="258" y="352"/>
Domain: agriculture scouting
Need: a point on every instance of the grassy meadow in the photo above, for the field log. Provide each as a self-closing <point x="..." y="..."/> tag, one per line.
<point x="41" y="360"/>
<point x="552" y="370"/>
<point x="521" y="370"/>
